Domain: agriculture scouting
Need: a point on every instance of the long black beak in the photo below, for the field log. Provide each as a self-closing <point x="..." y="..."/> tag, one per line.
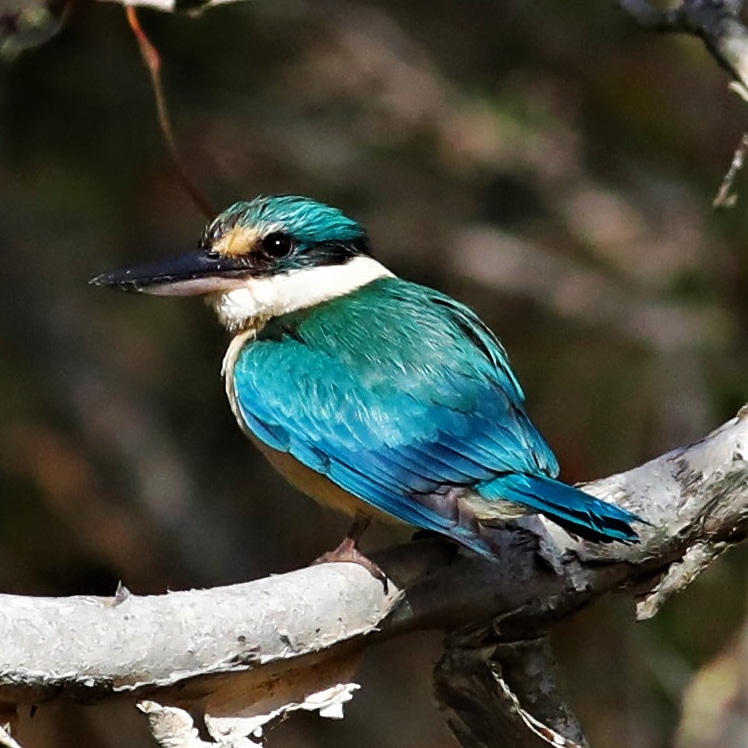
<point x="191" y="274"/>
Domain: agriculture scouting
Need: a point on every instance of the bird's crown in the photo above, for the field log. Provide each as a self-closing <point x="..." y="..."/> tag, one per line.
<point x="284" y="232"/>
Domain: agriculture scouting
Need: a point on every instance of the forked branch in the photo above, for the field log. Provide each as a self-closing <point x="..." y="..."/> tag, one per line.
<point x="245" y="655"/>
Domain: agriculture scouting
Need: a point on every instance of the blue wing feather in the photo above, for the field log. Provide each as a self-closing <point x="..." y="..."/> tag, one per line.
<point x="391" y="392"/>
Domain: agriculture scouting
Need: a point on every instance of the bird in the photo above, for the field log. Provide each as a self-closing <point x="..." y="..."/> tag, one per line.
<point x="374" y="395"/>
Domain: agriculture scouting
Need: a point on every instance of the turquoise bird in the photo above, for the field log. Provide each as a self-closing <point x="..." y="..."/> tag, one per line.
<point x="374" y="395"/>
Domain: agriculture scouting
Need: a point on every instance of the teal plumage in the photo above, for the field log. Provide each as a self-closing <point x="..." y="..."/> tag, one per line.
<point x="373" y="394"/>
<point x="309" y="222"/>
<point x="397" y="393"/>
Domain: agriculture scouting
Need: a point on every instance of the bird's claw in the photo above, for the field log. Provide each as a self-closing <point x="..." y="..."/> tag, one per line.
<point x="348" y="551"/>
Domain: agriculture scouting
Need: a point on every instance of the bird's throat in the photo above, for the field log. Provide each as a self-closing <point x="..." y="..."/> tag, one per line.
<point x="261" y="299"/>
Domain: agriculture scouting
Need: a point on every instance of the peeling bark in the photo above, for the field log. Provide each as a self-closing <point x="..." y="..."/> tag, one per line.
<point x="240" y="657"/>
<point x="490" y="692"/>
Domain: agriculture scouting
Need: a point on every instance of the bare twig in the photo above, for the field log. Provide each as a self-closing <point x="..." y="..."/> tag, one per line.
<point x="726" y="198"/>
<point x="718" y="23"/>
<point x="152" y="61"/>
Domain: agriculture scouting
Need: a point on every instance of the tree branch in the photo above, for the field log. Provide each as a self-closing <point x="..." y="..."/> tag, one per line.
<point x="718" y="23"/>
<point x="488" y="689"/>
<point x="242" y="656"/>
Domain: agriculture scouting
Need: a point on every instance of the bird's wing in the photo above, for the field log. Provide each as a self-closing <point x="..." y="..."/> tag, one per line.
<point x="395" y="393"/>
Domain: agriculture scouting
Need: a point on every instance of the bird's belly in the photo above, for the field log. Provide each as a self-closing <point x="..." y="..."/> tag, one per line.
<point x="318" y="487"/>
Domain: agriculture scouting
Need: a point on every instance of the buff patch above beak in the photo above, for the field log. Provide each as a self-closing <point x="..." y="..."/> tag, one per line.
<point x="238" y="241"/>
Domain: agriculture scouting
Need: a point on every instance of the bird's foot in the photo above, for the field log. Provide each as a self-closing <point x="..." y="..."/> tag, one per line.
<point x="348" y="551"/>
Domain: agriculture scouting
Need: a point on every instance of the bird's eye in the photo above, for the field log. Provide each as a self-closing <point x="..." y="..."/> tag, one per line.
<point x="277" y="245"/>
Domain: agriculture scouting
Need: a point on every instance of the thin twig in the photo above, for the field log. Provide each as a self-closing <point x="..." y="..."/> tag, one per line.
<point x="719" y="24"/>
<point x="152" y="61"/>
<point x="726" y="197"/>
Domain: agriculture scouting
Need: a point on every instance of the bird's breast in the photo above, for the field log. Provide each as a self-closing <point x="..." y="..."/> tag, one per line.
<point x="308" y="481"/>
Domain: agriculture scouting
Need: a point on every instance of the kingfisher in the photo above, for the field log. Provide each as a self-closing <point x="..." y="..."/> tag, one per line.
<point x="374" y="395"/>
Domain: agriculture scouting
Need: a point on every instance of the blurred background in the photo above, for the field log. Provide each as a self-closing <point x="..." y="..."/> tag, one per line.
<point x="548" y="163"/>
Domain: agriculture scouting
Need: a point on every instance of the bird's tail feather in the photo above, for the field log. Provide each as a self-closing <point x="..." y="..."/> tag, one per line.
<point x="574" y="510"/>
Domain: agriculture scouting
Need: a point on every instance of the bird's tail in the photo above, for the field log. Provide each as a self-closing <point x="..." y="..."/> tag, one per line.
<point x="574" y="510"/>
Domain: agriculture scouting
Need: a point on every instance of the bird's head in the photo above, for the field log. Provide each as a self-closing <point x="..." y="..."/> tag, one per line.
<point x="261" y="259"/>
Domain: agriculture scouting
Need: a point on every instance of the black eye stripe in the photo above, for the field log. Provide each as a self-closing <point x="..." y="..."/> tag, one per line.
<point x="277" y="245"/>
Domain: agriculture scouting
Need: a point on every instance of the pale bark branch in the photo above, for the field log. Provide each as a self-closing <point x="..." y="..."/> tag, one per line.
<point x="488" y="689"/>
<point x="719" y="24"/>
<point x="244" y="655"/>
<point x="6" y="739"/>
